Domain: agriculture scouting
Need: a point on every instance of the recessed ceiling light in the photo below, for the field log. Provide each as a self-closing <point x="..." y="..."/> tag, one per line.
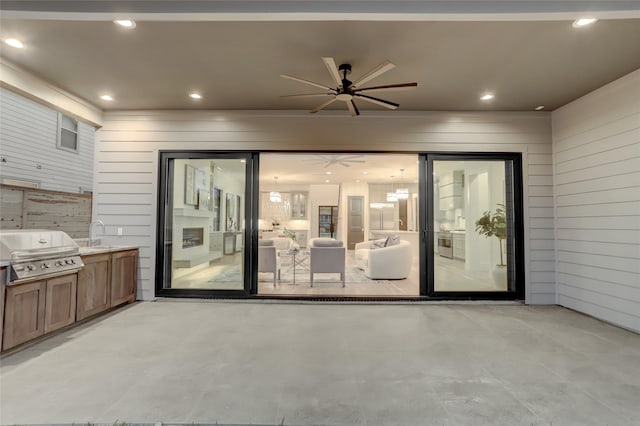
<point x="539" y="107"/>
<point x="358" y="180"/>
<point x="243" y="161"/>
<point x="195" y="95"/>
<point x="326" y="180"/>
<point x="328" y="173"/>
<point x="14" y="42"/>
<point x="583" y="22"/>
<point x="487" y="97"/>
<point x="125" y="23"/>
<point x="364" y="173"/>
<point x="106" y="98"/>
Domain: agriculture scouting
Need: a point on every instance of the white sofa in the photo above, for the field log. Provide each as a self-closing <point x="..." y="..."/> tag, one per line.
<point x="384" y="263"/>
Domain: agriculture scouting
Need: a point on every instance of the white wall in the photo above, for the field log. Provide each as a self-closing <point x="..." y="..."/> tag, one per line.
<point x="596" y="146"/>
<point x="128" y="144"/>
<point x="28" y="135"/>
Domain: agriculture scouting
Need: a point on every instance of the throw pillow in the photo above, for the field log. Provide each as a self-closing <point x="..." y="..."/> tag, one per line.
<point x="377" y="244"/>
<point x="393" y="240"/>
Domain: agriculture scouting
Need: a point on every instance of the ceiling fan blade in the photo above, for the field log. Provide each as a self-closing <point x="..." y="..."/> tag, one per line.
<point x="302" y="80"/>
<point x="380" y="69"/>
<point x="308" y="95"/>
<point x="381" y="102"/>
<point x="403" y="86"/>
<point x="322" y="106"/>
<point x="349" y="157"/>
<point x="353" y="109"/>
<point x="333" y="70"/>
<point x="344" y="164"/>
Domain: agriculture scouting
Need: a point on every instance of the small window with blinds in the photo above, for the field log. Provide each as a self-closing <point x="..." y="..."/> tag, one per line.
<point x="67" y="133"/>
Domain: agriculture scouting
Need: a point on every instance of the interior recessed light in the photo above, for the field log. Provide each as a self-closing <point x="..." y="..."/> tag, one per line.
<point x="487" y="97"/>
<point x="364" y="173"/>
<point x="328" y="173"/>
<point x="326" y="180"/>
<point x="583" y="22"/>
<point x="539" y="107"/>
<point x="125" y="23"/>
<point x="195" y="95"/>
<point x="14" y="42"/>
<point x="357" y="180"/>
<point x="106" y="98"/>
<point x="243" y="161"/>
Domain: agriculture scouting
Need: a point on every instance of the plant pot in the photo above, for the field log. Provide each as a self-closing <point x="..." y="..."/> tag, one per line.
<point x="499" y="275"/>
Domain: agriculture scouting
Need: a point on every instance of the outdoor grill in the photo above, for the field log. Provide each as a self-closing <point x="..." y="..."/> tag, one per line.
<point x="33" y="254"/>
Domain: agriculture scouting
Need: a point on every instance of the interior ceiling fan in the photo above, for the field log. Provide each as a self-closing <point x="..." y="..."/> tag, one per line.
<point x="330" y="160"/>
<point x="347" y="90"/>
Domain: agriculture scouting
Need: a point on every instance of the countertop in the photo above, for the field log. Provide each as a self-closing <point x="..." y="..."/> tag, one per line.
<point x="86" y="251"/>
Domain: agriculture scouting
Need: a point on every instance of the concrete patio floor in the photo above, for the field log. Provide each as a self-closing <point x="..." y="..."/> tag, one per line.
<point x="329" y="364"/>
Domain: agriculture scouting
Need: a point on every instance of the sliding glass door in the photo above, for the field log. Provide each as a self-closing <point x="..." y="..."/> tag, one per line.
<point x="475" y="227"/>
<point x="203" y="244"/>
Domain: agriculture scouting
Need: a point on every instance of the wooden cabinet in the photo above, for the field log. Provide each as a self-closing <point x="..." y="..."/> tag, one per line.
<point x="60" y="302"/>
<point x="124" y="273"/>
<point x="24" y="313"/>
<point x="3" y="280"/>
<point x="94" y="285"/>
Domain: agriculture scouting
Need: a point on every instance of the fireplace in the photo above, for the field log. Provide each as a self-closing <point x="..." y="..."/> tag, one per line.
<point x="192" y="237"/>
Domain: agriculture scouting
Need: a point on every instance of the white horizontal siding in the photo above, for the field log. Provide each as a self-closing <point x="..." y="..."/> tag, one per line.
<point x="596" y="143"/>
<point x="28" y="135"/>
<point x="128" y="144"/>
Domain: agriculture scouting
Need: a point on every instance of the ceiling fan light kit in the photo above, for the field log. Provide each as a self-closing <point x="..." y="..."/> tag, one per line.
<point x="346" y="90"/>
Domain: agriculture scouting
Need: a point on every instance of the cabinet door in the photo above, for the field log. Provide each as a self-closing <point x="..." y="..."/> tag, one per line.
<point x="60" y="302"/>
<point x="298" y="205"/>
<point x="124" y="272"/>
<point x="94" y="286"/>
<point x="24" y="313"/>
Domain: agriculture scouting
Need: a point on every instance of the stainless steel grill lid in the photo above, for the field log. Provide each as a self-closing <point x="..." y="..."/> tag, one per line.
<point x="38" y="253"/>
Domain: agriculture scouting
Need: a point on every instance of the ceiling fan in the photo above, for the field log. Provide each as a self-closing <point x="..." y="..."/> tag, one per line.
<point x="347" y="90"/>
<point x="330" y="160"/>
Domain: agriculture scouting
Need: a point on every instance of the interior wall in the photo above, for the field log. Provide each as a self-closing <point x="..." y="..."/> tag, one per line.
<point x="596" y="146"/>
<point x="128" y="144"/>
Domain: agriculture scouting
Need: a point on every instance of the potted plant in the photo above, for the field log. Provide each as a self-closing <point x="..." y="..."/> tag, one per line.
<point x="493" y="224"/>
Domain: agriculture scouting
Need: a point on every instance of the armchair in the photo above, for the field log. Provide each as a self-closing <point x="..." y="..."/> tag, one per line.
<point x="327" y="256"/>
<point x="386" y="263"/>
<point x="268" y="259"/>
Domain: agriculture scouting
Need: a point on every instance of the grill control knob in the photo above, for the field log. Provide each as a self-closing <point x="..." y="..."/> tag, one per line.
<point x="31" y="267"/>
<point x="43" y="266"/>
<point x="73" y="262"/>
<point x="68" y="262"/>
<point x="59" y="263"/>
<point x="47" y="265"/>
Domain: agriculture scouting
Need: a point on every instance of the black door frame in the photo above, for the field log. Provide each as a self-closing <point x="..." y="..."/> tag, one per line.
<point x="427" y="253"/>
<point x="425" y="218"/>
<point x="165" y="201"/>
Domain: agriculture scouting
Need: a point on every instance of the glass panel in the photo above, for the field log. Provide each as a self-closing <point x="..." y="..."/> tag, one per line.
<point x="472" y="208"/>
<point x="68" y="139"/>
<point x="306" y="196"/>
<point x="69" y="123"/>
<point x="207" y="224"/>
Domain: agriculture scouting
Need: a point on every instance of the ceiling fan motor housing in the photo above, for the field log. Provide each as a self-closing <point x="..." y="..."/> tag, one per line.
<point x="346" y="84"/>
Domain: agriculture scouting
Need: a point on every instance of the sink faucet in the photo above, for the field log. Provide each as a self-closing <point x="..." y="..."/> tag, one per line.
<point x="91" y="236"/>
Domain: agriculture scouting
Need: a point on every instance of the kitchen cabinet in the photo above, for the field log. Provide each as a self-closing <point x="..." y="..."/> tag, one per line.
<point x="299" y="205"/>
<point x="450" y="190"/>
<point x="60" y="302"/>
<point x="94" y="285"/>
<point x="124" y="273"/>
<point x="301" y="237"/>
<point x="24" y="313"/>
<point x="458" y="245"/>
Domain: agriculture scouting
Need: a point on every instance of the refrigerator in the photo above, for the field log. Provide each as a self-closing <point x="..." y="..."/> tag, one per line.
<point x="328" y="221"/>
<point x="382" y="218"/>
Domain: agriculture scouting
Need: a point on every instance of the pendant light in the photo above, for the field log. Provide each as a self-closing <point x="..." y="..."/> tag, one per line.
<point x="275" y="196"/>
<point x="402" y="193"/>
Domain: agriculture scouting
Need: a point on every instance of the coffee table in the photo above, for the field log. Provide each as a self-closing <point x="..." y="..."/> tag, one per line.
<point x="299" y="258"/>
